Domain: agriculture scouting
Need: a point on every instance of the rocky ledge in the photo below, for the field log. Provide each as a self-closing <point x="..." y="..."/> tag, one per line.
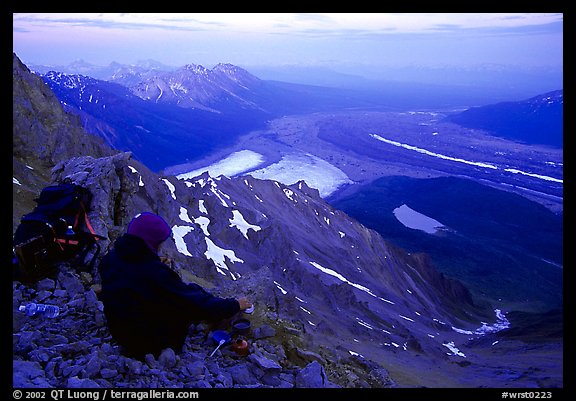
<point x="76" y="350"/>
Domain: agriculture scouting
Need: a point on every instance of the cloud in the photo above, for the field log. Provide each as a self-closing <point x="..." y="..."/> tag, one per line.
<point x="291" y="38"/>
<point x="106" y="21"/>
<point x="337" y="24"/>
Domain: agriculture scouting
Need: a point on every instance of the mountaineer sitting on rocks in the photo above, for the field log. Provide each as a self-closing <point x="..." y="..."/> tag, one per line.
<point x="147" y="306"/>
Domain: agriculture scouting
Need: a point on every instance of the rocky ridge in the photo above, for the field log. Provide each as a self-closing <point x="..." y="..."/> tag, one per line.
<point x="75" y="349"/>
<point x="42" y="130"/>
<point x="43" y="134"/>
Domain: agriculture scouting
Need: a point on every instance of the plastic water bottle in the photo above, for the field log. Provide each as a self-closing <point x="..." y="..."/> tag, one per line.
<point x="32" y="309"/>
<point x="70" y="231"/>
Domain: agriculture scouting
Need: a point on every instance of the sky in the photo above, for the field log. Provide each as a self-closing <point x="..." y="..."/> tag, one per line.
<point x="340" y="41"/>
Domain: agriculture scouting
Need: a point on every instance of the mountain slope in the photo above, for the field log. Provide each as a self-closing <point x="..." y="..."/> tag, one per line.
<point x="42" y="135"/>
<point x="490" y="236"/>
<point x="148" y="129"/>
<point x="538" y="120"/>
<point x="41" y="127"/>
<point x="333" y="291"/>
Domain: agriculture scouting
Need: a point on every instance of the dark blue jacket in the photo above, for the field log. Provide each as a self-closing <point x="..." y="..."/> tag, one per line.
<point x="147" y="306"/>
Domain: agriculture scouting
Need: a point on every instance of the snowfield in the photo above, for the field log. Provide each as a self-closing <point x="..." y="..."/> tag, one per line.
<point x="235" y="164"/>
<point x="317" y="173"/>
<point x="412" y="219"/>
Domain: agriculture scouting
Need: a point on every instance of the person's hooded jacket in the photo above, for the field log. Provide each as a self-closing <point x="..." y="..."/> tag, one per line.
<point x="146" y="304"/>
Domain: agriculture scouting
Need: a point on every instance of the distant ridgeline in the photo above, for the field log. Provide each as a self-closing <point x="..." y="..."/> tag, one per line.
<point x="538" y="120"/>
<point x="489" y="238"/>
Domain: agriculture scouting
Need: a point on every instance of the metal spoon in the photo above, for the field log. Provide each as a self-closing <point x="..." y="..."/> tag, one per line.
<point x="219" y="345"/>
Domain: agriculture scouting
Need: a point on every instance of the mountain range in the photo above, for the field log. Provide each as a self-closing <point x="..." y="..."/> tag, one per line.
<point x="124" y="74"/>
<point x="335" y="291"/>
<point x="537" y="120"/>
<point x="200" y="109"/>
<point x="194" y="86"/>
<point x="415" y="86"/>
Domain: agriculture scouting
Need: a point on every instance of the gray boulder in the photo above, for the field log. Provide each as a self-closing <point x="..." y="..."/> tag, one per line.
<point x="313" y="376"/>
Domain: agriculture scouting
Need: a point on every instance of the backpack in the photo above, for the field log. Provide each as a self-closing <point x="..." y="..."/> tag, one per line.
<point x="54" y="232"/>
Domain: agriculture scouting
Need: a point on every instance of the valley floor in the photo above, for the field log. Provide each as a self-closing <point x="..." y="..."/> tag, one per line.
<point x="342" y="150"/>
<point x="357" y="147"/>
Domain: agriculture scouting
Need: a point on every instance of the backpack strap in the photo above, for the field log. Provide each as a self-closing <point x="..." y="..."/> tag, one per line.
<point x="88" y="225"/>
<point x="66" y="241"/>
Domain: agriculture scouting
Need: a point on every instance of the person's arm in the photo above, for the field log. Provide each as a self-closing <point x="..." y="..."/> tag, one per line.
<point x="194" y="300"/>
